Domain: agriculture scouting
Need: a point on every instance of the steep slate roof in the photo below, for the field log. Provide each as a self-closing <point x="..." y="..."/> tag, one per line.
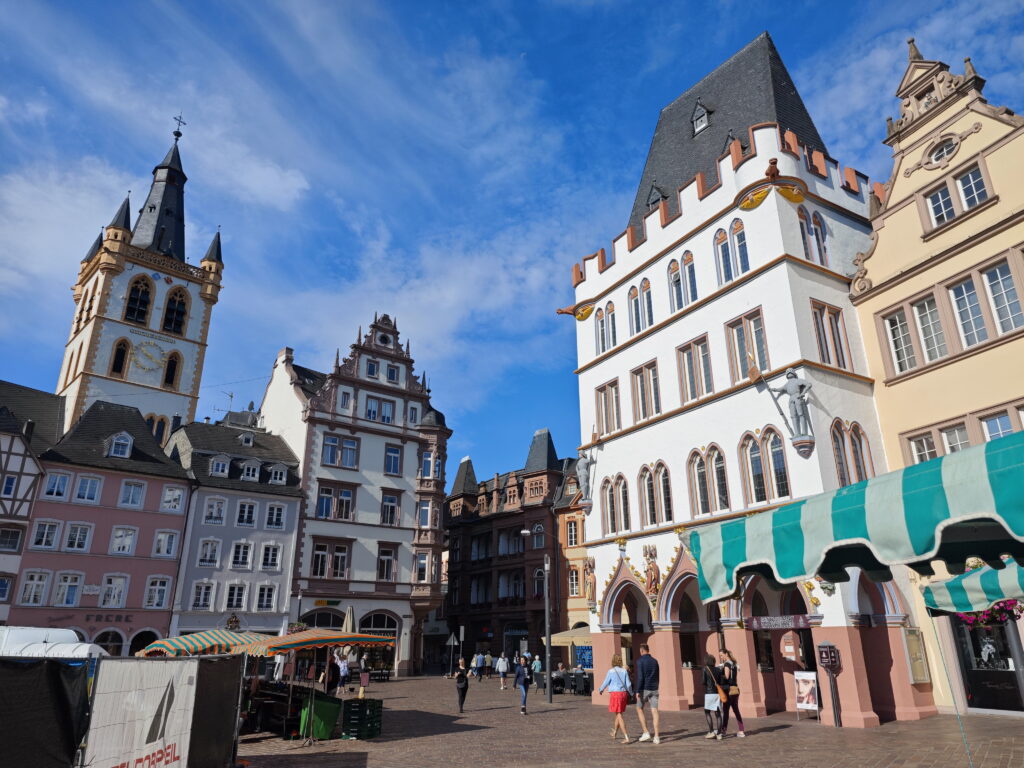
<point x="465" y="479"/>
<point x="750" y="87"/>
<point x="85" y="443"/>
<point x="9" y="424"/>
<point x="208" y="440"/>
<point x="542" y="455"/>
<point x="433" y="418"/>
<point x="563" y="499"/>
<point x="213" y="253"/>
<point x="309" y="381"/>
<point x="161" y="223"/>
<point x="45" y="409"/>
<point x="123" y="217"/>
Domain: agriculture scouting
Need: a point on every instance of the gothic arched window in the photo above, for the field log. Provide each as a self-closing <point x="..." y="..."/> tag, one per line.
<point x="609" y="320"/>
<point x="675" y="286"/>
<point x="119" y="362"/>
<point x="172" y="367"/>
<point x="665" y="488"/>
<point x="608" y="498"/>
<point x="636" y="318"/>
<point x="599" y="328"/>
<point x="739" y="244"/>
<point x="648" y="302"/>
<point x="819" y="238"/>
<point x="723" y="257"/>
<point x="136" y="308"/>
<point x="858" y="452"/>
<point x="648" y="499"/>
<point x="720" y="482"/>
<point x="622" y="490"/>
<point x="175" y="311"/>
<point x="754" y="465"/>
<point x="775" y="451"/>
<point x="839" y="449"/>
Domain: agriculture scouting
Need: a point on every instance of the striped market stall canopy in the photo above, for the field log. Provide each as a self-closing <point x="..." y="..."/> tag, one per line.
<point x="312" y="638"/>
<point x="210" y="641"/>
<point x="965" y="504"/>
<point x="977" y="590"/>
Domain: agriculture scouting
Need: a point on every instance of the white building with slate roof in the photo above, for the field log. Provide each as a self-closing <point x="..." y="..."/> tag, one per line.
<point x="727" y="279"/>
<point x="372" y="454"/>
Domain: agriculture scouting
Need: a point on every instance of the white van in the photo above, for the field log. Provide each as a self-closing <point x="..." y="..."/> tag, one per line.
<point x="12" y="638"/>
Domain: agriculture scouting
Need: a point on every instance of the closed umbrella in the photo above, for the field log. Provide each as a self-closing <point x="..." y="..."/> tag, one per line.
<point x="199" y="643"/>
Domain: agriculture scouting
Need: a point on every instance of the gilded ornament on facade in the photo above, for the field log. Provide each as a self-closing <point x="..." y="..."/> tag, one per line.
<point x="793" y="194"/>
<point x="157" y="357"/>
<point x="754" y="199"/>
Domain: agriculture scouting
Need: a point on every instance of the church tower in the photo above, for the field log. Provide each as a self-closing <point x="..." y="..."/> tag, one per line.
<point x="142" y="313"/>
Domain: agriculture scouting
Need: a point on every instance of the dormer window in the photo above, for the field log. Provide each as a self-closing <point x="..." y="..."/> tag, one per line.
<point x="277" y="475"/>
<point x="251" y="471"/>
<point x="372" y="368"/>
<point x="699" y="118"/>
<point x="121" y="446"/>
<point x="392" y="374"/>
<point x="246" y="439"/>
<point x="219" y="466"/>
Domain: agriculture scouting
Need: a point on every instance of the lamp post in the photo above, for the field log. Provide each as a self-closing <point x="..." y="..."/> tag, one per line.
<point x="547" y="616"/>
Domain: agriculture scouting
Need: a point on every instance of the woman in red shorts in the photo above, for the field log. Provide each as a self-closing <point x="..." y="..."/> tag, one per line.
<point x="618" y="684"/>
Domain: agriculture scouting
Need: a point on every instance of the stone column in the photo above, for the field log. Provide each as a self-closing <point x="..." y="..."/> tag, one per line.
<point x="664" y="644"/>
<point x="741" y="642"/>
<point x="607" y="643"/>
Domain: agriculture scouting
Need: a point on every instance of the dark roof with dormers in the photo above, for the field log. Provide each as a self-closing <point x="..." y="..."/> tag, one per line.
<point x="542" y="455"/>
<point x="309" y="381"/>
<point x="751" y="87"/>
<point x="86" y="443"/>
<point x="44" y="409"/>
<point x="161" y="223"/>
<point x="563" y="496"/>
<point x="204" y="441"/>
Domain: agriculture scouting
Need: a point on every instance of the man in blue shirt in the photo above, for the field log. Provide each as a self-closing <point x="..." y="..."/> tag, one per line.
<point x="647" y="691"/>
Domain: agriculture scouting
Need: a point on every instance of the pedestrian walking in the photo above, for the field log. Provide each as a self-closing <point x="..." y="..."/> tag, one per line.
<point x="536" y="667"/>
<point x="647" y="673"/>
<point x="522" y="681"/>
<point x="488" y="664"/>
<point x="501" y="667"/>
<point x="479" y="663"/>
<point x="730" y="670"/>
<point x="713" y="694"/>
<point x="461" y="683"/>
<point x="620" y="688"/>
<point x="345" y="673"/>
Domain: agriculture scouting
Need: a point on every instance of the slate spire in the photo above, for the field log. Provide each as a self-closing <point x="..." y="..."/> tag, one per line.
<point x="465" y="479"/>
<point x="123" y="218"/>
<point x="542" y="455"/>
<point x="94" y="248"/>
<point x="161" y="223"/>
<point x="213" y="252"/>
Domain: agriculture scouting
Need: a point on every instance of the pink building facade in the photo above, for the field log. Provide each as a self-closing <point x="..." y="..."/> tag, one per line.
<point x="104" y="543"/>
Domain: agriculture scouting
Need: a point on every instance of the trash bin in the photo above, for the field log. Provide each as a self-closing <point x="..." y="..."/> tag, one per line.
<point x="325" y="717"/>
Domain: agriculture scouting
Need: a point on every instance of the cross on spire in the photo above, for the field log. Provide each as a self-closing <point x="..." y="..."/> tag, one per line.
<point x="180" y="122"/>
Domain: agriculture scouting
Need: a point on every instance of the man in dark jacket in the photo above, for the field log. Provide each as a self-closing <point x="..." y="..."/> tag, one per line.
<point x="647" y="692"/>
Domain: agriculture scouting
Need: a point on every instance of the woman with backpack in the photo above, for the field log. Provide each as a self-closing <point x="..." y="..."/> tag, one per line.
<point x="522" y="681"/>
<point x="617" y="682"/>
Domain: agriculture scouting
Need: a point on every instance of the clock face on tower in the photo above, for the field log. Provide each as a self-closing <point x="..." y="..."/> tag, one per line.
<point x="149" y="356"/>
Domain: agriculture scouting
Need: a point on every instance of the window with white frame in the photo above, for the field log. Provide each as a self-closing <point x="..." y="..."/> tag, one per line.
<point x="423" y="513"/>
<point x="173" y="499"/>
<point x="923" y="448"/>
<point x="572" y="533"/>
<point x="165" y="544"/>
<point x="609" y="413"/>
<point x="929" y="329"/>
<point x="132" y="494"/>
<point x="372" y="412"/>
<point x="87" y="490"/>
<point x="339" y="561"/>
<point x="6" y="582"/>
<point x="665" y="489"/>
<point x="600" y="335"/>
<point x="422" y="566"/>
<point x="940" y="206"/>
<point x="325" y="502"/>
<point x="372" y="368"/>
<point x="997" y="425"/>
<point x="648" y="302"/>
<point x="122" y="541"/>
<point x="271" y="560"/>
<point x="241" y="555"/>
<point x="831" y="338"/>
<point x="235" y="597"/>
<point x="219" y="466"/>
<point x="344" y="504"/>
<point x="121" y="447"/>
<point x="246" y="514"/>
<point x="329" y="453"/>
<point x="636" y="314"/>
<point x="389" y="509"/>
<point x="33" y="587"/>
<point x="275" y="516"/>
<point x="386" y="564"/>
<point x="277" y="476"/>
<point x="114" y="590"/>
<point x="202" y="596"/>
<point x="648" y="498"/>
<point x="747" y="342"/>
<point x="56" y="486"/>
<point x="318" y="569"/>
<point x="1003" y="297"/>
<point x="695" y="369"/>
<point x="77" y="537"/>
<point x="209" y="553"/>
<point x="265" y="598"/>
<point x="350" y="453"/>
<point x="214" y="514"/>
<point x="157" y="592"/>
<point x="393" y="374"/>
<point x="972" y="188"/>
<point x="67" y="589"/>
<point x="45" y="535"/>
<point x="538" y="536"/>
<point x="955" y="438"/>
<point x="10" y="539"/>
<point x="574" y="582"/>
<point x="251" y="471"/>
<point x="414" y="414"/>
<point x="900" y="345"/>
<point x="646" y="392"/>
<point x="392" y="460"/>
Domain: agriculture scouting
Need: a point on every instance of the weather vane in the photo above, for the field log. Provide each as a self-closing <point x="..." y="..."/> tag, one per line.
<point x="180" y="122"/>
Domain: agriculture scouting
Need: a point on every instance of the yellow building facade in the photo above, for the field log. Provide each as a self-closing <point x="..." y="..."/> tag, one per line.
<point x="938" y="296"/>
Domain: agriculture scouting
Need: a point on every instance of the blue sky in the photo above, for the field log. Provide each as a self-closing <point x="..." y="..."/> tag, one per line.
<point x="445" y="162"/>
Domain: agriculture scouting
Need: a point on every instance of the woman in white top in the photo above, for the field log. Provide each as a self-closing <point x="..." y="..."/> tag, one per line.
<point x="501" y="667"/>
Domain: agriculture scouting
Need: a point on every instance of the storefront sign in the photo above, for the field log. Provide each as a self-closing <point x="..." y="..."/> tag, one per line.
<point x="777" y="622"/>
<point x="828" y="656"/>
<point x="806" y="690"/>
<point x="142" y="713"/>
<point x="585" y="656"/>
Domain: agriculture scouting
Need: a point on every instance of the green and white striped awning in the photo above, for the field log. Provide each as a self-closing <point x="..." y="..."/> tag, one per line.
<point x="977" y="590"/>
<point x="966" y="504"/>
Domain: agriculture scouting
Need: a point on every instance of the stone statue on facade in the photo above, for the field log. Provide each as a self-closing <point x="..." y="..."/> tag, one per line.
<point x="583" y="464"/>
<point x="589" y="581"/>
<point x="796" y="389"/>
<point x="652" y="574"/>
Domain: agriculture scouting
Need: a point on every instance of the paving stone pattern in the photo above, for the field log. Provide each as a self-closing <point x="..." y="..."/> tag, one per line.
<point x="422" y="727"/>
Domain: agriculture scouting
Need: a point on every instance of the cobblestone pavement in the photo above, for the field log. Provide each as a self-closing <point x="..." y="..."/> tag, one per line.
<point x="422" y="727"/>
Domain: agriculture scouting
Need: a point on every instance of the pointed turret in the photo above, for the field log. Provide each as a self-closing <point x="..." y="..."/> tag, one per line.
<point x="213" y="252"/>
<point x="465" y="479"/>
<point x="93" y="249"/>
<point x="123" y="218"/>
<point x="542" y="455"/>
<point x="161" y="223"/>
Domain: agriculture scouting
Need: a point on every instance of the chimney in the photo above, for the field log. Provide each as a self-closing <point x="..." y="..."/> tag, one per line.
<point x="175" y="422"/>
<point x="27" y="429"/>
<point x="206" y="420"/>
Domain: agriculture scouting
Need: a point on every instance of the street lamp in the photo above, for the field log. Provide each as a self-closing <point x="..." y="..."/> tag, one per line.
<point x="547" y="617"/>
